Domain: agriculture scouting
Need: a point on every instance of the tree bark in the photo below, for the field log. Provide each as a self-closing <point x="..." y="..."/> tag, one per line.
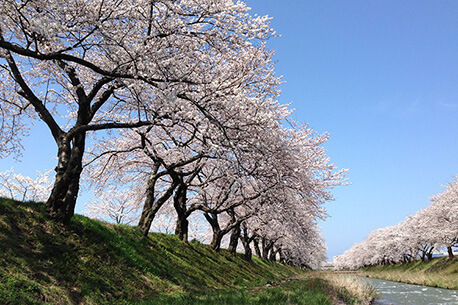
<point x="246" y="246"/>
<point x="60" y="205"/>
<point x="246" y="241"/>
<point x="179" y="202"/>
<point x="217" y="237"/>
<point x="152" y="206"/>
<point x="266" y="248"/>
<point x="450" y="252"/>
<point x="273" y="255"/>
<point x="282" y="256"/>
<point x="256" y="248"/>
<point x="233" y="242"/>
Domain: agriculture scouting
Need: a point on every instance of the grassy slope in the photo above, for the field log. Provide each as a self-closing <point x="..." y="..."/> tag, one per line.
<point x="439" y="272"/>
<point x="97" y="263"/>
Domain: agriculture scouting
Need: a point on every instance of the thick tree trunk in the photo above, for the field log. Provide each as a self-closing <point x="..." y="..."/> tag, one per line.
<point x="179" y="202"/>
<point x="216" y="240"/>
<point x="450" y="252"/>
<point x="233" y="242"/>
<point x="181" y="229"/>
<point x="61" y="203"/>
<point x="217" y="237"/>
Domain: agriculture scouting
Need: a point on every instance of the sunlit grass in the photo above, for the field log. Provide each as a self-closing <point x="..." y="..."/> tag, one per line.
<point x="91" y="262"/>
<point x="351" y="289"/>
<point x="306" y="291"/>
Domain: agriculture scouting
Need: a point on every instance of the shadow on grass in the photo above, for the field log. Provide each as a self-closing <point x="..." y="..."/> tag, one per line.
<point x="94" y="262"/>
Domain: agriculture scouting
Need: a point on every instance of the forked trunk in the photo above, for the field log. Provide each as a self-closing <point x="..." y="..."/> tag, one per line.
<point x="61" y="203"/>
<point x="152" y="205"/>
<point x="217" y="236"/>
<point x="216" y="240"/>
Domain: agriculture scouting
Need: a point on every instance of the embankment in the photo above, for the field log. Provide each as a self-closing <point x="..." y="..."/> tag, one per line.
<point x="439" y="272"/>
<point x="92" y="262"/>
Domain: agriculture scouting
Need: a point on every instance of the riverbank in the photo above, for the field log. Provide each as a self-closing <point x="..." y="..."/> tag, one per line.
<point x="395" y="293"/>
<point x="349" y="288"/>
<point x="440" y="272"/>
<point x="92" y="262"/>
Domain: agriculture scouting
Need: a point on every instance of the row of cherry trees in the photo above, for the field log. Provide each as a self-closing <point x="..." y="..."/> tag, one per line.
<point x="268" y="193"/>
<point x="434" y="228"/>
<point x="165" y="103"/>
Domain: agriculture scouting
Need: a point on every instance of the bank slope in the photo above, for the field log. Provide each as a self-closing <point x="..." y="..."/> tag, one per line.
<point x="439" y="272"/>
<point x="93" y="262"/>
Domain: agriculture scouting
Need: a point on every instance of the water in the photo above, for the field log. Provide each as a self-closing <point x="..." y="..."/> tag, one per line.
<point x="400" y="294"/>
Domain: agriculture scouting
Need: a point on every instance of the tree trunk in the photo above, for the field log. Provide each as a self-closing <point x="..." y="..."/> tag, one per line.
<point x="273" y="255"/>
<point x="282" y="256"/>
<point x="179" y="202"/>
<point x="450" y="252"/>
<point x="212" y="219"/>
<point x="233" y="242"/>
<point x="152" y="206"/>
<point x="216" y="240"/>
<point x="246" y="240"/>
<point x="61" y="203"/>
<point x="266" y="247"/>
<point x="256" y="248"/>
<point x="246" y="246"/>
<point x="181" y="229"/>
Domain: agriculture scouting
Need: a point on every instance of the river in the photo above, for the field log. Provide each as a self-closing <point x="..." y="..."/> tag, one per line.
<point x="400" y="294"/>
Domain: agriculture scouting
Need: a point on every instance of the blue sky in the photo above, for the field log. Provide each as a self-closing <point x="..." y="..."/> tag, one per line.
<point x="382" y="78"/>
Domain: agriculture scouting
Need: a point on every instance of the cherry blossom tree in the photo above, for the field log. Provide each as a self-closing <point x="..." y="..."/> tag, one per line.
<point x="82" y="67"/>
<point x="443" y="216"/>
<point x="418" y="236"/>
<point x="24" y="188"/>
<point x="118" y="206"/>
<point x="223" y="189"/>
<point x="300" y="177"/>
<point x="150" y="165"/>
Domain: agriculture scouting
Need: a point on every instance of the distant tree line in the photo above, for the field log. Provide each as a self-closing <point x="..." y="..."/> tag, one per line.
<point x="434" y="228"/>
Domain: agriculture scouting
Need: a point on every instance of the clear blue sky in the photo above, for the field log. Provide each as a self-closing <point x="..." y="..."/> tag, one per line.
<point x="382" y="78"/>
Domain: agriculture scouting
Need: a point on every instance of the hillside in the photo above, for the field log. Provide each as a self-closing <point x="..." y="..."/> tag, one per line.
<point x="93" y="262"/>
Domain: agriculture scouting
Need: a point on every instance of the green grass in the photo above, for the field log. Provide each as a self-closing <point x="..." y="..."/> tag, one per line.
<point x="304" y="291"/>
<point x="92" y="262"/>
<point x="439" y="272"/>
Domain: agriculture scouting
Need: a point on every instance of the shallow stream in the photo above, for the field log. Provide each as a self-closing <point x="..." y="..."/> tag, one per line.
<point x="400" y="294"/>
